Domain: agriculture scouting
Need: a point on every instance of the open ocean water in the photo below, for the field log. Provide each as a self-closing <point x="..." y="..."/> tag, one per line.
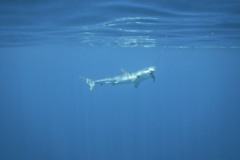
<point x="190" y="112"/>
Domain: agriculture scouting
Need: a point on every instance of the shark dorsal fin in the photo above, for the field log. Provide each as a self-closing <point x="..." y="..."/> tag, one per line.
<point x="124" y="72"/>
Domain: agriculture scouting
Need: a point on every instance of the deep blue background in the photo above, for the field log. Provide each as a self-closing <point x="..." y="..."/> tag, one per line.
<point x="190" y="112"/>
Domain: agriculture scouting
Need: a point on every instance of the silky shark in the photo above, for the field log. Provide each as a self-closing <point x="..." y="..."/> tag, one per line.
<point x="125" y="78"/>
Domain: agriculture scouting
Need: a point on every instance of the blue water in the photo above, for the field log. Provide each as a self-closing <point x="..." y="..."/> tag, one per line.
<point x="191" y="111"/>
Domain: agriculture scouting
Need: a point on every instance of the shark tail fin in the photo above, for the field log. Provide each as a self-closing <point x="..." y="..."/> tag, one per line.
<point x="90" y="82"/>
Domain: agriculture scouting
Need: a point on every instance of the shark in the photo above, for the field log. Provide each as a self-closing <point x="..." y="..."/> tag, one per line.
<point x="124" y="78"/>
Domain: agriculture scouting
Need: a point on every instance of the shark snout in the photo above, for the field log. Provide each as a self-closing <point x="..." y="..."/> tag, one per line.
<point x="151" y="71"/>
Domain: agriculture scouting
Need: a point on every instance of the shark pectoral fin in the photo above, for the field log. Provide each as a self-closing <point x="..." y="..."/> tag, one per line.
<point x="136" y="84"/>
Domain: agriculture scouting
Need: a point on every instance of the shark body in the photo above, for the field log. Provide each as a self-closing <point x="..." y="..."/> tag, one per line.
<point x="125" y="78"/>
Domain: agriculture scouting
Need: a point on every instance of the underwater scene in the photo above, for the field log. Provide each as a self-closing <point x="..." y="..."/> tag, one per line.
<point x="119" y="80"/>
